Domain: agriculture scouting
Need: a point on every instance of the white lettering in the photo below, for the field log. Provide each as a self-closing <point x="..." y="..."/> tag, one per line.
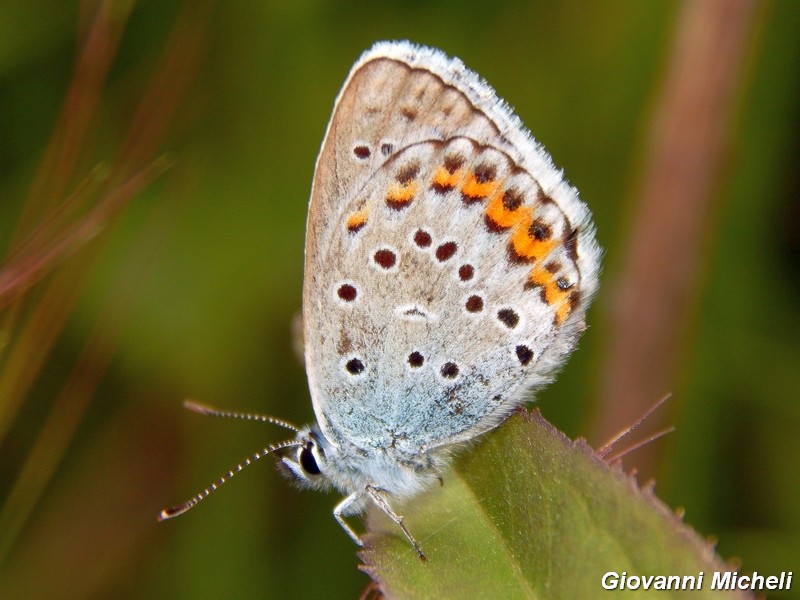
<point x="689" y="582"/>
<point x="610" y="580"/>
<point x="722" y="581"/>
<point x="662" y="582"/>
<point x="757" y="581"/>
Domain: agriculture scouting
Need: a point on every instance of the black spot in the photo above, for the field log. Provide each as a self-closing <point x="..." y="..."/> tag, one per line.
<point x="362" y="152"/>
<point x="453" y="163"/>
<point x="540" y="231"/>
<point x="512" y="199"/>
<point x="441" y="188"/>
<point x="357" y="227"/>
<point x="571" y="244"/>
<point x="492" y="225"/>
<point x="449" y="370"/>
<point x="446" y="251"/>
<point x="398" y="204"/>
<point x="563" y="284"/>
<point x="574" y="299"/>
<point x="407" y="173"/>
<point x="387" y="149"/>
<point x="543" y="198"/>
<point x="354" y="366"/>
<point x="474" y="304"/>
<point x="514" y="258"/>
<point x="482" y="174"/>
<point x="485" y="173"/>
<point x="385" y="258"/>
<point x="416" y="360"/>
<point x="308" y="462"/>
<point x="347" y="292"/>
<point x="466" y="272"/>
<point x="508" y="317"/>
<point x="524" y="354"/>
<point x="422" y="238"/>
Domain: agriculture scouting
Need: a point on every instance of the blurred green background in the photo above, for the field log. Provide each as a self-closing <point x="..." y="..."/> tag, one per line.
<point x="208" y="314"/>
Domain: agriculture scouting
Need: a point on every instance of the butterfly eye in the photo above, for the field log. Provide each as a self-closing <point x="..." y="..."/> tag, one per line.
<point x="308" y="461"/>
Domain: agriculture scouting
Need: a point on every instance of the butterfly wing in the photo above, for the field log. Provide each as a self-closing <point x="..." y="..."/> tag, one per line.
<point x="448" y="264"/>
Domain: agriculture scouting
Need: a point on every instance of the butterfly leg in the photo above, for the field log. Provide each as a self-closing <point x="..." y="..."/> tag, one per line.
<point x="381" y="502"/>
<point x="344" y="508"/>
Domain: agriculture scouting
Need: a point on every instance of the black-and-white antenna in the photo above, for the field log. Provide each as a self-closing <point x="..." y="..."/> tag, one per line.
<point x="179" y="509"/>
<point x="210" y="411"/>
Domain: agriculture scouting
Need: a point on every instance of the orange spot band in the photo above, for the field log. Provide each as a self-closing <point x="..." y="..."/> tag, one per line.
<point x="551" y="293"/>
<point x="501" y="216"/>
<point x="525" y="245"/>
<point x="357" y="220"/>
<point x="472" y="188"/>
<point x="444" y="179"/>
<point x="402" y="193"/>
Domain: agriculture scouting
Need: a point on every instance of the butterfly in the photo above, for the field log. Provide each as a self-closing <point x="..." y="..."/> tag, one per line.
<point x="448" y="269"/>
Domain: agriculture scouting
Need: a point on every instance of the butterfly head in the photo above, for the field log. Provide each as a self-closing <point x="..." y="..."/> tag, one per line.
<point x="309" y="462"/>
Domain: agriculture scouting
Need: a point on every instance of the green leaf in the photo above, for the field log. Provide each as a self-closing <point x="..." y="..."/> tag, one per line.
<point x="527" y="513"/>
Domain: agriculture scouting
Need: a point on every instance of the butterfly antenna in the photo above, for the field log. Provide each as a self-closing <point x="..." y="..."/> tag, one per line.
<point x="638" y="445"/>
<point x="181" y="508"/>
<point x="603" y="451"/>
<point x="210" y="411"/>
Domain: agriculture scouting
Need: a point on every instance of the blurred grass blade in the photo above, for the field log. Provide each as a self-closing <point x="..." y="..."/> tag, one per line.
<point x="56" y="243"/>
<point x="45" y="249"/>
<point x="528" y="513"/>
<point x="68" y="141"/>
<point x="167" y="88"/>
<point x="688" y="143"/>
<point x="67" y="411"/>
<point x="66" y="147"/>
<point x="33" y="342"/>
